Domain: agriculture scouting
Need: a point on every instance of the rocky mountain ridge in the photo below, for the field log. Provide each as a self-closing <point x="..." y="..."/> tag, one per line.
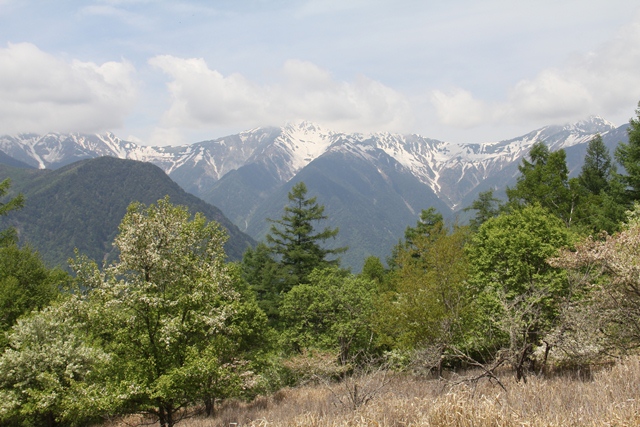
<point x="450" y="170"/>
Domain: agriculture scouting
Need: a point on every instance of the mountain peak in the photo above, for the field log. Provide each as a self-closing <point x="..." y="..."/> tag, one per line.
<point x="306" y="127"/>
<point x="592" y="124"/>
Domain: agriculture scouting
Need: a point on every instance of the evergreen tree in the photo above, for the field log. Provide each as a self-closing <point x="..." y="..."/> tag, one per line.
<point x="486" y="207"/>
<point x="9" y="235"/>
<point x="602" y="200"/>
<point x="628" y="155"/>
<point x="597" y="168"/>
<point x="545" y="180"/>
<point x="262" y="273"/>
<point x="429" y="226"/>
<point x="294" y="240"/>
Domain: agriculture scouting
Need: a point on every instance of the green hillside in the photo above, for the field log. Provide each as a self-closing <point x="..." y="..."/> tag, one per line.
<point x="81" y="205"/>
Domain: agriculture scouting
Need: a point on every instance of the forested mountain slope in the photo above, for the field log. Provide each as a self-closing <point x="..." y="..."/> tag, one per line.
<point x="81" y="205"/>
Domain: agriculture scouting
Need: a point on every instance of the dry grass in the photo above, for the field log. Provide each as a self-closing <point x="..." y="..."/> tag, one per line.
<point x="610" y="398"/>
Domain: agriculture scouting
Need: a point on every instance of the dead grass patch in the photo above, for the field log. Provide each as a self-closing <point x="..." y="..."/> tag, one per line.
<point x="610" y="397"/>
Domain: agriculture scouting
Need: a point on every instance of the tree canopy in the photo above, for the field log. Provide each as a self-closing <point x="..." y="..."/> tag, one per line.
<point x="294" y="238"/>
<point x="162" y="309"/>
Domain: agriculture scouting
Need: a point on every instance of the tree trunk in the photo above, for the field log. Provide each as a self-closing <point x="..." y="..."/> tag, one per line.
<point x="209" y="406"/>
<point x="162" y="417"/>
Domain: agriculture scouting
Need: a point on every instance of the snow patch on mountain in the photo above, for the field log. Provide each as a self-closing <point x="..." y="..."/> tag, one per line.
<point x="450" y="170"/>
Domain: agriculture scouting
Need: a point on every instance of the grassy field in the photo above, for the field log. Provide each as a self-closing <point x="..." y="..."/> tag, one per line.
<point x="609" y="397"/>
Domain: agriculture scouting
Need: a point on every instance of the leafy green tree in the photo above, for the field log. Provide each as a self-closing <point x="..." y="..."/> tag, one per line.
<point x="545" y="180"/>
<point x="162" y="307"/>
<point x="515" y="288"/>
<point x="375" y="271"/>
<point x="332" y="311"/>
<point x="628" y="155"/>
<point x="294" y="240"/>
<point x="26" y="284"/>
<point x="263" y="273"/>
<point x="9" y="235"/>
<point x="486" y="207"/>
<point x="44" y="367"/>
<point x="427" y="301"/>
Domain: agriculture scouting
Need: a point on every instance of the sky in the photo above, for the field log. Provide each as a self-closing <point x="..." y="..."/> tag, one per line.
<point x="176" y="72"/>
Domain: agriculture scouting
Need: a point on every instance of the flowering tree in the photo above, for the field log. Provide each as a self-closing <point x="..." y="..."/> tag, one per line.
<point x="47" y="361"/>
<point x="606" y="271"/>
<point x="161" y="308"/>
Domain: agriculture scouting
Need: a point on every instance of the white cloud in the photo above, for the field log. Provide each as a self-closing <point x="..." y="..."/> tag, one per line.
<point x="41" y="93"/>
<point x="459" y="109"/>
<point x="604" y="81"/>
<point x="204" y="98"/>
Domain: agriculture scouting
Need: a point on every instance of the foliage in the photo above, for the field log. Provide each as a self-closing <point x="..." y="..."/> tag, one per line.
<point x="264" y="274"/>
<point x="628" y="155"/>
<point x="25" y="284"/>
<point x="517" y="292"/>
<point x="606" y="271"/>
<point x="9" y="235"/>
<point x="597" y="167"/>
<point x="293" y="239"/>
<point x="162" y="310"/>
<point x="430" y="222"/>
<point x="601" y="194"/>
<point x="42" y="370"/>
<point x="427" y="302"/>
<point x="374" y="270"/>
<point x="545" y="180"/>
<point x="331" y="311"/>
<point x="486" y="207"/>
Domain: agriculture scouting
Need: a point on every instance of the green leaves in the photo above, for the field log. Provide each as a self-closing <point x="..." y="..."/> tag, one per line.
<point x="628" y="155"/>
<point x="48" y="359"/>
<point x="294" y="239"/>
<point x="515" y="289"/>
<point x="332" y="311"/>
<point x="9" y="235"/>
<point x="167" y="302"/>
<point x="427" y="303"/>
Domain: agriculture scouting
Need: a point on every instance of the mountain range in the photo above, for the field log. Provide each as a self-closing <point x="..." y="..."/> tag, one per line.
<point x="372" y="185"/>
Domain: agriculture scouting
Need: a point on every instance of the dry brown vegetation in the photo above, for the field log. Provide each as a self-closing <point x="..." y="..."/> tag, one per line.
<point x="609" y="397"/>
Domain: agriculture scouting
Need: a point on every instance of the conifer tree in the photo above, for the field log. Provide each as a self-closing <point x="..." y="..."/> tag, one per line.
<point x="8" y="235"/>
<point x="486" y="207"/>
<point x="597" y="168"/>
<point x="293" y="238"/>
<point x="545" y="180"/>
<point x="602" y="198"/>
<point x="628" y="155"/>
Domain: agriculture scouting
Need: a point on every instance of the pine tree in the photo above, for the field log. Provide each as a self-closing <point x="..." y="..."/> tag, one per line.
<point x="9" y="235"/>
<point x="294" y="240"/>
<point x="602" y="198"/>
<point x="628" y="155"/>
<point x="486" y="207"/>
<point x="597" y="169"/>
<point x="545" y="180"/>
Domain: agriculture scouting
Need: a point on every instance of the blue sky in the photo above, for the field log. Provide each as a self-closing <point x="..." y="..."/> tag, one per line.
<point x="173" y="72"/>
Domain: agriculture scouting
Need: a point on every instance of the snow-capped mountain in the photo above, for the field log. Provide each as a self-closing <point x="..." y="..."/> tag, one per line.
<point x="450" y="170"/>
<point x="373" y="185"/>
